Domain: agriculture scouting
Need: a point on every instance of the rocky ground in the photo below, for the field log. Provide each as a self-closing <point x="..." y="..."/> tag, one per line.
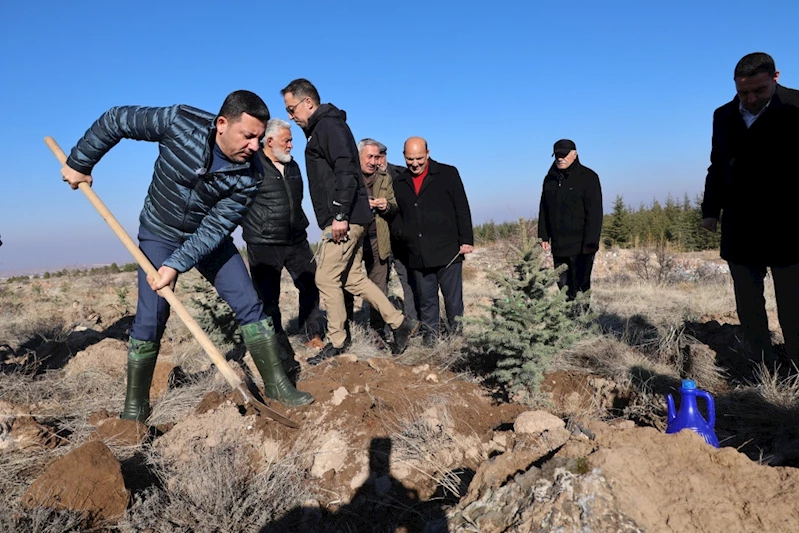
<point x="415" y="443"/>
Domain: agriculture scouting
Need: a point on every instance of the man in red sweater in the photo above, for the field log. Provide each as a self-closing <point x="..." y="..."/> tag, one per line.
<point x="436" y="227"/>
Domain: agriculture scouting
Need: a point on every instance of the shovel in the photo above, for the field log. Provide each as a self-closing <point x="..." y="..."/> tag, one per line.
<point x="216" y="356"/>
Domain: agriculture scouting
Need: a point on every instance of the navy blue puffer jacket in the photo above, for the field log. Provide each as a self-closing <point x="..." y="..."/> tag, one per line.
<point x="185" y="203"/>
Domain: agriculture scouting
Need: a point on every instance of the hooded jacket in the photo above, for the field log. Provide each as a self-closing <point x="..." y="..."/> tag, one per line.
<point x="335" y="182"/>
<point x="185" y="203"/>
<point x="570" y="214"/>
<point x="276" y="216"/>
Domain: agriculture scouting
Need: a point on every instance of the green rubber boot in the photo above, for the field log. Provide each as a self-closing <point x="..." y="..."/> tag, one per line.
<point x="141" y="364"/>
<point x="261" y="341"/>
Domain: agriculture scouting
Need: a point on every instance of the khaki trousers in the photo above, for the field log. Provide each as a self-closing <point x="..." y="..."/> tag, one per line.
<point x="340" y="268"/>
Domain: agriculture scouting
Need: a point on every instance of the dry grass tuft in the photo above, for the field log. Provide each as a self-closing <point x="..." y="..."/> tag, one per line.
<point x="218" y="490"/>
<point x="448" y="352"/>
<point x="422" y="434"/>
<point x="15" y="519"/>
<point x="775" y="389"/>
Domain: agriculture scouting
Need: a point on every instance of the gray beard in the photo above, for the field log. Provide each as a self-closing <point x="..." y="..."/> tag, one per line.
<point x="283" y="157"/>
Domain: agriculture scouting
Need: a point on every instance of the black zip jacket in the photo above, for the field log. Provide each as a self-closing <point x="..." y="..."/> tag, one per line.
<point x="570" y="216"/>
<point x="334" y="170"/>
<point x="276" y="216"/>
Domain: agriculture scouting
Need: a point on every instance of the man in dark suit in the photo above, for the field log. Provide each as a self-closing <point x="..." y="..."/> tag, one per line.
<point x="750" y="185"/>
<point x="436" y="227"/>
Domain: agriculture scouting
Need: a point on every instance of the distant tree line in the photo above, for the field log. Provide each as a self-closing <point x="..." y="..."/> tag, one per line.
<point x="113" y="268"/>
<point x="675" y="223"/>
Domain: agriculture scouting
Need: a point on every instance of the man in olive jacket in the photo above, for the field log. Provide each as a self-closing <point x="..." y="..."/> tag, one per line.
<point x="751" y="186"/>
<point x="205" y="178"/>
<point x="436" y="228"/>
<point x="377" y="244"/>
<point x="274" y="230"/>
<point x="570" y="217"/>
<point x="342" y="211"/>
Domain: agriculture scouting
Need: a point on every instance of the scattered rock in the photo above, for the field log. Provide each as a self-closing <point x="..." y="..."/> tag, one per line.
<point x="537" y="422"/>
<point x="421" y="368"/>
<point x="432" y="378"/>
<point x="87" y="479"/>
<point x="347" y="358"/>
<point x="270" y="450"/>
<point x="496" y="471"/>
<point x="331" y="455"/>
<point x="360" y="478"/>
<point x="566" y="503"/>
<point x="501" y="439"/>
<point x="338" y="395"/>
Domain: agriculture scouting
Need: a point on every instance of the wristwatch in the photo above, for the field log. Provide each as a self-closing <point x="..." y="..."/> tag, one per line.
<point x="341" y="217"/>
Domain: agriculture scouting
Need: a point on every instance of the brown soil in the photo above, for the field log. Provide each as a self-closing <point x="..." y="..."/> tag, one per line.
<point x="678" y="483"/>
<point x="87" y="479"/>
<point x="381" y="398"/>
<point x="116" y="432"/>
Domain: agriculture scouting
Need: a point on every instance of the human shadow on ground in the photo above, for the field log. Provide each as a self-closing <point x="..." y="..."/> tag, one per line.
<point x="51" y="349"/>
<point x="381" y="504"/>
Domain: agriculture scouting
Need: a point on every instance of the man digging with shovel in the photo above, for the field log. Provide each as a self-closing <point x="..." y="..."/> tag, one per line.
<point x="204" y="179"/>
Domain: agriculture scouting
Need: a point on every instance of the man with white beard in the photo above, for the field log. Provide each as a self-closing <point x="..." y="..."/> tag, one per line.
<point x="275" y="232"/>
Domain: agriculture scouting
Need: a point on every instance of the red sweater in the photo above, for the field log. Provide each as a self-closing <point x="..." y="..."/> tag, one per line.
<point x="417" y="180"/>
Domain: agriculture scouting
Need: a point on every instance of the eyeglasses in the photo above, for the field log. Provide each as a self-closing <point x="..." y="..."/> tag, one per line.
<point x="290" y="109"/>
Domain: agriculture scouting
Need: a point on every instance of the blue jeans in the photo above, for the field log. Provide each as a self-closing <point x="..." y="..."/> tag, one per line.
<point x="223" y="268"/>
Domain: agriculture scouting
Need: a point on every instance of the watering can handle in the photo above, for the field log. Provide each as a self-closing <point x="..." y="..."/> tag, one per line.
<point x="711" y="407"/>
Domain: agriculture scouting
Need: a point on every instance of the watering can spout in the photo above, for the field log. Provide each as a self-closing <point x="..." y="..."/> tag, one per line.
<point x="671" y="413"/>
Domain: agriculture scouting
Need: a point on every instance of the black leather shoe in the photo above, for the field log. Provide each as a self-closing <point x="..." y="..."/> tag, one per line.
<point x="327" y="352"/>
<point x="403" y="334"/>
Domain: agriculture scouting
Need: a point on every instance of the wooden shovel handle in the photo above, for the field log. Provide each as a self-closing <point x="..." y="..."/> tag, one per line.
<point x="207" y="344"/>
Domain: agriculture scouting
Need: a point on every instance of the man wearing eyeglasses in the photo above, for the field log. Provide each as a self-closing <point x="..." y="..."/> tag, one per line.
<point x="750" y="186"/>
<point x="570" y="217"/>
<point x="342" y="210"/>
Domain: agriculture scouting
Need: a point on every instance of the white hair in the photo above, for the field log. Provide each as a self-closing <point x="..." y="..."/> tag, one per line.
<point x="274" y="126"/>
<point x="367" y="142"/>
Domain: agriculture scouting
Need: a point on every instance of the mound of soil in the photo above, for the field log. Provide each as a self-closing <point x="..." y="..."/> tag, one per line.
<point x="110" y="356"/>
<point x="118" y="432"/>
<point x="679" y="483"/>
<point x="87" y="479"/>
<point x="424" y="423"/>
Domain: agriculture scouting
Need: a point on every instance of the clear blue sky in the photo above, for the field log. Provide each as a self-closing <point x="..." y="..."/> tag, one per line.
<point x="491" y="85"/>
